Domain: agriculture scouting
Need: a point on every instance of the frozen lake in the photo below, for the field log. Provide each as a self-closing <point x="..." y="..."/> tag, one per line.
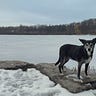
<point x="37" y="48"/>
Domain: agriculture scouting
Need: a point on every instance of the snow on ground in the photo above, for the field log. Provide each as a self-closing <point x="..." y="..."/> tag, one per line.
<point x="31" y="83"/>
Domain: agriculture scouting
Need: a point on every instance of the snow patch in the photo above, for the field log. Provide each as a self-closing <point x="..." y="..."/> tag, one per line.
<point x="31" y="83"/>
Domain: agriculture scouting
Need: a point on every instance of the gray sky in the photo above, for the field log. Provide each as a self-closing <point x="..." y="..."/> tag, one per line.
<point x="29" y="12"/>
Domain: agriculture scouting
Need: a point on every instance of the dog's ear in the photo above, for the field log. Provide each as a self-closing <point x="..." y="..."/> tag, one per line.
<point x="83" y="41"/>
<point x="94" y="40"/>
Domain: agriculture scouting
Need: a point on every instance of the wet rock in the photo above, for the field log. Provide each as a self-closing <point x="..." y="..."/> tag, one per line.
<point x="69" y="78"/>
<point x="14" y="65"/>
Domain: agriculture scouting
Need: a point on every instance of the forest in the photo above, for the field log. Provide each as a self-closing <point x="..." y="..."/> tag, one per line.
<point x="84" y="27"/>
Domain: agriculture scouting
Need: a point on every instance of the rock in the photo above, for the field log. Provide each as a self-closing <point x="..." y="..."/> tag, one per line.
<point x="69" y="78"/>
<point x="14" y="65"/>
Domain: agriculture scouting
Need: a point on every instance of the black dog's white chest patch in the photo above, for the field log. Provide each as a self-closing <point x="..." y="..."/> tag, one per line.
<point x="88" y="60"/>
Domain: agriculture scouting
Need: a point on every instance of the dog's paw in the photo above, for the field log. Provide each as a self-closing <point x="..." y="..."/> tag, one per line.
<point x="64" y="70"/>
<point x="81" y="77"/>
<point x="61" y="74"/>
<point x="78" y="80"/>
<point x="88" y="76"/>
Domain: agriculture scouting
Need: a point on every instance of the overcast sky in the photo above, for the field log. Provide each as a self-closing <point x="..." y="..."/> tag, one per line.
<point x="29" y="12"/>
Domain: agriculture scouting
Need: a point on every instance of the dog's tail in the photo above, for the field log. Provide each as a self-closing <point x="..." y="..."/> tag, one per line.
<point x="57" y="62"/>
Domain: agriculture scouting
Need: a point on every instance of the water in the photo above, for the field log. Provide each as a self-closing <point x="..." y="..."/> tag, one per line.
<point x="37" y="48"/>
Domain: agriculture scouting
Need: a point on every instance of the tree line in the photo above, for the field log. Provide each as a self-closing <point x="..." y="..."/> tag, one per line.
<point x="84" y="27"/>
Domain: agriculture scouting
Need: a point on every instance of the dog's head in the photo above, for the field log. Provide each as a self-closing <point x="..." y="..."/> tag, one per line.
<point x="88" y="45"/>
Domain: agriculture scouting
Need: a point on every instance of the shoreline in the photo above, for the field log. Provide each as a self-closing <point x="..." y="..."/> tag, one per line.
<point x="67" y="81"/>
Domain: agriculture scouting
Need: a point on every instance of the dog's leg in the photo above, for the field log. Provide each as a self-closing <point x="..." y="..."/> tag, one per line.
<point x="79" y="70"/>
<point x="86" y="68"/>
<point x="60" y="68"/>
<point x="64" y="61"/>
<point x="61" y="64"/>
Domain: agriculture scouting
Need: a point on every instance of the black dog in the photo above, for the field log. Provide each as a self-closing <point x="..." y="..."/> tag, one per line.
<point x="81" y="54"/>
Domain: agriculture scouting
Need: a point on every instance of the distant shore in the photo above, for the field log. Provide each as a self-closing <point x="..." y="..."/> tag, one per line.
<point x="80" y="28"/>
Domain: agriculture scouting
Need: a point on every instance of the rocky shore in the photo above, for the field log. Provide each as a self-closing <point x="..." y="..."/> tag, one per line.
<point x="68" y="80"/>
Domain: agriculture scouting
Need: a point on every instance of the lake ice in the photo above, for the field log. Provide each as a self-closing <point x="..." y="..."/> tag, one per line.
<point x="38" y="48"/>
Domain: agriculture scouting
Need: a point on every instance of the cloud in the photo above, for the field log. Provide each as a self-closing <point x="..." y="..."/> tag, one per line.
<point x="45" y="11"/>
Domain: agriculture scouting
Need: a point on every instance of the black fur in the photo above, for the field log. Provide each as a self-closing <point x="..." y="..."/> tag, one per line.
<point x="77" y="53"/>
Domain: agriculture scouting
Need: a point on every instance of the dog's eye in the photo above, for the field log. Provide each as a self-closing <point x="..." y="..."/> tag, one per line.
<point x="91" y="45"/>
<point x="86" y="44"/>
